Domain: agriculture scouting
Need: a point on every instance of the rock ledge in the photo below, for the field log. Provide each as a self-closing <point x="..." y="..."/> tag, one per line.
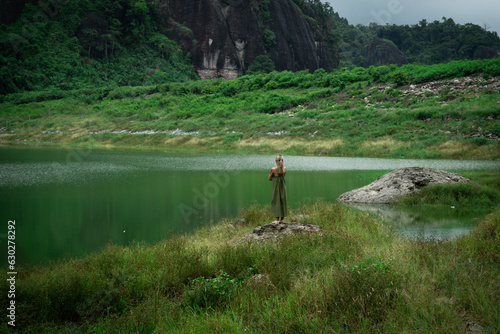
<point x="275" y="230"/>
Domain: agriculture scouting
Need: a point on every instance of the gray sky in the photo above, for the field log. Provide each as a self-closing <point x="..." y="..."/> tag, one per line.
<point x="479" y="12"/>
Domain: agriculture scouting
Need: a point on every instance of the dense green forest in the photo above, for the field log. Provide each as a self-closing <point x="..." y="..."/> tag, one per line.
<point x="112" y="43"/>
<point x="423" y="43"/>
<point x="67" y="51"/>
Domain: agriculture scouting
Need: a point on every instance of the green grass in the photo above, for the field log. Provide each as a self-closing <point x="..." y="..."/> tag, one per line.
<point x="351" y="113"/>
<point x="355" y="277"/>
<point x="483" y="192"/>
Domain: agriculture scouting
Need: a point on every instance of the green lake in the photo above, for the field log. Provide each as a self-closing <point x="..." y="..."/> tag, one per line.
<point x="70" y="202"/>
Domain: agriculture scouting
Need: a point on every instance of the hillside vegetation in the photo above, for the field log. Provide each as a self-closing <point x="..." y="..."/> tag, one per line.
<point x="439" y="111"/>
<point x="357" y="276"/>
<point x="89" y="44"/>
<point x="423" y="43"/>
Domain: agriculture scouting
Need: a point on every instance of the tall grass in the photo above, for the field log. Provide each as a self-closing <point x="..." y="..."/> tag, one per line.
<point x="356" y="276"/>
<point x="459" y="195"/>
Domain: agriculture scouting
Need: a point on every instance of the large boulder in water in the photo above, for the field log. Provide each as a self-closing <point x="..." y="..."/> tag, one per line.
<point x="405" y="181"/>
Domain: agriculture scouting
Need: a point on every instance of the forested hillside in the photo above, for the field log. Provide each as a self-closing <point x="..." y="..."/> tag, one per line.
<point x="89" y="44"/>
<point x="78" y="44"/>
<point x="424" y="43"/>
<point x="82" y="43"/>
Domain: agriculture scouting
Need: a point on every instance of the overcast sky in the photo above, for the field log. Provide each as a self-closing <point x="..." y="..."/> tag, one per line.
<point x="479" y="12"/>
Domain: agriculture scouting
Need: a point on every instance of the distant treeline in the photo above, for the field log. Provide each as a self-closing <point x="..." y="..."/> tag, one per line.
<point x="423" y="43"/>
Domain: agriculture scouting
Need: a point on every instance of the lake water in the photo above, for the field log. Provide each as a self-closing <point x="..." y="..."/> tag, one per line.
<point x="69" y="202"/>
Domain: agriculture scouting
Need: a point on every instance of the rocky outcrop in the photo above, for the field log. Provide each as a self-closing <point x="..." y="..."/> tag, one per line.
<point x="488" y="53"/>
<point x="275" y="230"/>
<point x="381" y="52"/>
<point x="396" y="184"/>
<point x="10" y="10"/>
<point x="224" y="37"/>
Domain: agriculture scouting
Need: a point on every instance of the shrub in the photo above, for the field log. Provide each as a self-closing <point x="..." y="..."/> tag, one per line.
<point x="424" y="114"/>
<point x="379" y="73"/>
<point x="233" y="137"/>
<point x="393" y="92"/>
<point x="148" y="116"/>
<point x="492" y="68"/>
<point x="269" y="38"/>
<point x="271" y="85"/>
<point x="400" y="78"/>
<point x="261" y="64"/>
<point x="211" y="89"/>
<point x="228" y="88"/>
<point x="211" y="292"/>
<point x="480" y="141"/>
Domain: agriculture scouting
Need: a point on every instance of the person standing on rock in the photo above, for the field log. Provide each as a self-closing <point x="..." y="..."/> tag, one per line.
<point x="279" y="208"/>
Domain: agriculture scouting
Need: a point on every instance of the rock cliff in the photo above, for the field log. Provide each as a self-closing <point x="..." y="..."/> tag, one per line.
<point x="381" y="52"/>
<point x="10" y="10"/>
<point x="488" y="53"/>
<point x="224" y="37"/>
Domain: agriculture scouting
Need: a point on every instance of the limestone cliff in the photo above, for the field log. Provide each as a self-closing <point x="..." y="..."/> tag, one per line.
<point x="224" y="37"/>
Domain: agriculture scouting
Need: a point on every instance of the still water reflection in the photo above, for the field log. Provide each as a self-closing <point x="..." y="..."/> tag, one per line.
<point x="68" y="203"/>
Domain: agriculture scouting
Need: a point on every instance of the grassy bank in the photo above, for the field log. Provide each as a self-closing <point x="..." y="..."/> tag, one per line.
<point x="484" y="191"/>
<point x="355" y="277"/>
<point x="440" y="111"/>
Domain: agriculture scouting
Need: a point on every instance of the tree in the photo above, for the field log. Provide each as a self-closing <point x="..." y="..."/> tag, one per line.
<point x="90" y="35"/>
<point x="261" y="64"/>
<point x="269" y="38"/>
<point x="166" y="46"/>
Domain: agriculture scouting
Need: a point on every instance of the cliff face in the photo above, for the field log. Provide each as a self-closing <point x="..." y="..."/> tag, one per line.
<point x="380" y="52"/>
<point x="224" y="37"/>
<point x="488" y="53"/>
<point x="10" y="10"/>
